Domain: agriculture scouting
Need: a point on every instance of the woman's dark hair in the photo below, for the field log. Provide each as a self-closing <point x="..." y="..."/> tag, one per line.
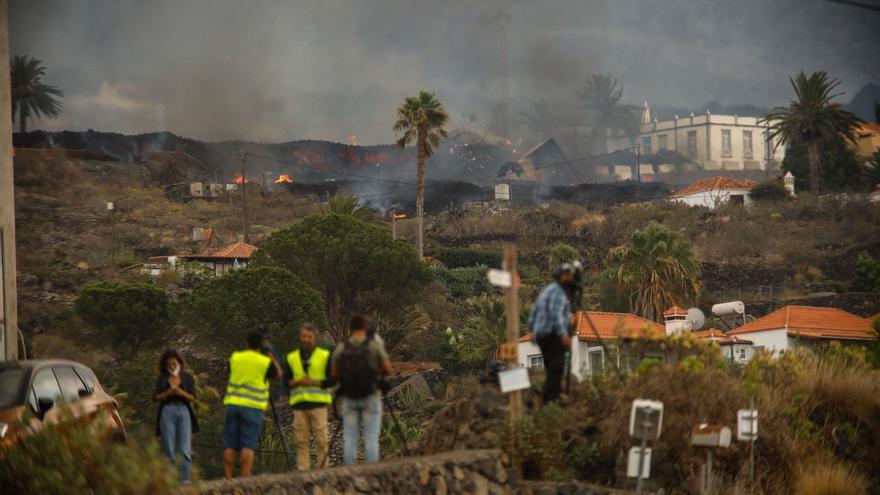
<point x="163" y="361"/>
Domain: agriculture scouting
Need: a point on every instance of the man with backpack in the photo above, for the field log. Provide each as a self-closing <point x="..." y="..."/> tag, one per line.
<point x="358" y="364"/>
<point x="307" y="375"/>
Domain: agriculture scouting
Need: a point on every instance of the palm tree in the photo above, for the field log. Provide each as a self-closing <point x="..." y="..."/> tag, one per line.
<point x="811" y="119"/>
<point x="658" y="269"/>
<point x="421" y="118"/>
<point x="343" y="204"/>
<point x="30" y="97"/>
<point x="601" y="95"/>
<point x="538" y="119"/>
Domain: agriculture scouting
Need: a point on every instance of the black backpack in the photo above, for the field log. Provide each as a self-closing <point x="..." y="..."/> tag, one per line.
<point x="358" y="375"/>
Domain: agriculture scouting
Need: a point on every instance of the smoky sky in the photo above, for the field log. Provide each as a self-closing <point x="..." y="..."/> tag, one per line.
<point x="285" y="70"/>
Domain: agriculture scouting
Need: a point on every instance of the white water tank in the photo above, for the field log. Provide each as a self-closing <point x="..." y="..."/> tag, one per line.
<point x="502" y="192"/>
<point x="729" y="308"/>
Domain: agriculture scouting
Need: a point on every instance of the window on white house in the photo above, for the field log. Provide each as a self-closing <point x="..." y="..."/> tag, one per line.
<point x="747" y="144"/>
<point x="692" y="144"/>
<point x="596" y="361"/>
<point x="646" y="145"/>
<point x="726" y="148"/>
<point x="663" y="142"/>
<point x="536" y="361"/>
<point x="742" y="354"/>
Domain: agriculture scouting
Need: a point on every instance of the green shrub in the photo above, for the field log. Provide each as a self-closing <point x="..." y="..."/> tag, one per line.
<point x="464" y="282"/>
<point x="867" y="273"/>
<point x="69" y="458"/>
<point x="454" y="257"/>
<point x="769" y="190"/>
<point x="563" y="253"/>
<point x="128" y="317"/>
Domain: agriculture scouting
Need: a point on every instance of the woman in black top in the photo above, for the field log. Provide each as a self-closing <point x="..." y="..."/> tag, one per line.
<point x="176" y="420"/>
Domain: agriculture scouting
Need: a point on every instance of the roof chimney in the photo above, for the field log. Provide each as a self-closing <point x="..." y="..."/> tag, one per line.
<point x="241" y="238"/>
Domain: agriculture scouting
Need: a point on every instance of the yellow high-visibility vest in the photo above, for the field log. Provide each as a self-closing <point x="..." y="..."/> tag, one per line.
<point x="317" y="371"/>
<point x="248" y="386"/>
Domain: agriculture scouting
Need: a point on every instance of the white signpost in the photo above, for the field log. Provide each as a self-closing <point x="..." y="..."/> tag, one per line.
<point x="645" y="421"/>
<point x="514" y="379"/>
<point x="747" y="431"/>
<point x="500" y="278"/>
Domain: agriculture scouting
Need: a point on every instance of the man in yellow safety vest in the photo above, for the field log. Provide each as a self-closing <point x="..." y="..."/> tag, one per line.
<point x="307" y="374"/>
<point x="247" y="397"/>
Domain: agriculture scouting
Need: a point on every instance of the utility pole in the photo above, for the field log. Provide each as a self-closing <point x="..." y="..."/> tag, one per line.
<point x="503" y="19"/>
<point x="638" y="169"/>
<point x="394" y="218"/>
<point x="244" y="215"/>
<point x="112" y="235"/>
<point x="512" y="326"/>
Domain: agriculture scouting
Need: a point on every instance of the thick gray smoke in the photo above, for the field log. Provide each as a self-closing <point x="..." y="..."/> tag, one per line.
<point x="328" y="69"/>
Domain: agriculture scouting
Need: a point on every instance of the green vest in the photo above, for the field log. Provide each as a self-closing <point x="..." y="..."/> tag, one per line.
<point x="248" y="386"/>
<point x="317" y="371"/>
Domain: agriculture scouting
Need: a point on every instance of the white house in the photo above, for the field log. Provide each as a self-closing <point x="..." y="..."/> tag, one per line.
<point x="231" y="257"/>
<point x="592" y="328"/>
<point x="793" y="326"/>
<point x="714" y="192"/>
<point x="735" y="349"/>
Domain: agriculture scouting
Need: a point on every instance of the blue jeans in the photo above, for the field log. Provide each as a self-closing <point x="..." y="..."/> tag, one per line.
<point x="176" y="430"/>
<point x="357" y="413"/>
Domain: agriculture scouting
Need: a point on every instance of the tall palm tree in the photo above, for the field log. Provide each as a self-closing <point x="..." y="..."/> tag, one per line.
<point x="812" y="118"/>
<point x="30" y="97"/>
<point x="421" y="118"/>
<point x="602" y="95"/>
<point x="658" y="269"/>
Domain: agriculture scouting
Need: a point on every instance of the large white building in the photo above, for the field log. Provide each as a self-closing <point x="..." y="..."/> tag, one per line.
<point x="716" y="142"/>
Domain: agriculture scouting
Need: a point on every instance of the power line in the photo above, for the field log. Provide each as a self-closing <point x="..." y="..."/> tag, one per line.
<point x="860" y="5"/>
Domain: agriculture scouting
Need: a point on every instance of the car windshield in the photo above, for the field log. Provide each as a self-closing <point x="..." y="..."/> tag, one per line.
<point x="10" y="385"/>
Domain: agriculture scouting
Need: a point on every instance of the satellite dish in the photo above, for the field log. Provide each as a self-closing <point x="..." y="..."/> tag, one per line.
<point x="696" y="318"/>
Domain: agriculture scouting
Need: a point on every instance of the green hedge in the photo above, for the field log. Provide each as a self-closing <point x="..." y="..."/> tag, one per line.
<point x="464" y="282"/>
<point x="454" y="257"/>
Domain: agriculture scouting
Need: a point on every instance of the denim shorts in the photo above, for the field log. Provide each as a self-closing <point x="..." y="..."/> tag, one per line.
<point x="241" y="427"/>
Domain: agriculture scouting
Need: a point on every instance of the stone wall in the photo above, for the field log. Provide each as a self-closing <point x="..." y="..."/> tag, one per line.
<point x="478" y="472"/>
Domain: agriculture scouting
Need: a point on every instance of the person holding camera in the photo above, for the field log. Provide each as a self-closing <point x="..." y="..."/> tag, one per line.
<point x="176" y="420"/>
<point x="307" y="375"/>
<point x="550" y="321"/>
<point x="246" y="399"/>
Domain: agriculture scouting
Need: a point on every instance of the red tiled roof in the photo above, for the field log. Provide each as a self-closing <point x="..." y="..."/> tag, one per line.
<point x="239" y="250"/>
<point x="675" y="311"/>
<point x="812" y="322"/>
<point x="612" y="326"/>
<point x="720" y="337"/>
<point x="867" y="128"/>
<point x="713" y="183"/>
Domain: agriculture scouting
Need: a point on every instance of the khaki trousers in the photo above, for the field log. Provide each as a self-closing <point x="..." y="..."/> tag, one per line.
<point x="312" y="421"/>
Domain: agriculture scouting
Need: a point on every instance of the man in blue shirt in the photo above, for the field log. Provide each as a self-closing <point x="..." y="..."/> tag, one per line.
<point x="550" y="322"/>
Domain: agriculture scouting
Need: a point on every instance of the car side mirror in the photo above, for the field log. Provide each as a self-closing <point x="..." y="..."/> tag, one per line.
<point x="43" y="405"/>
<point x="85" y="392"/>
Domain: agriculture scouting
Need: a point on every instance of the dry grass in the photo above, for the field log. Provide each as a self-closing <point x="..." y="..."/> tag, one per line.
<point x="829" y="478"/>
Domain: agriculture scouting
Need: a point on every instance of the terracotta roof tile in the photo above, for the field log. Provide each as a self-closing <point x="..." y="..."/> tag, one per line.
<point x="612" y="326"/>
<point x="812" y="322"/>
<point x="239" y="250"/>
<point x="720" y="337"/>
<point x="712" y="183"/>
